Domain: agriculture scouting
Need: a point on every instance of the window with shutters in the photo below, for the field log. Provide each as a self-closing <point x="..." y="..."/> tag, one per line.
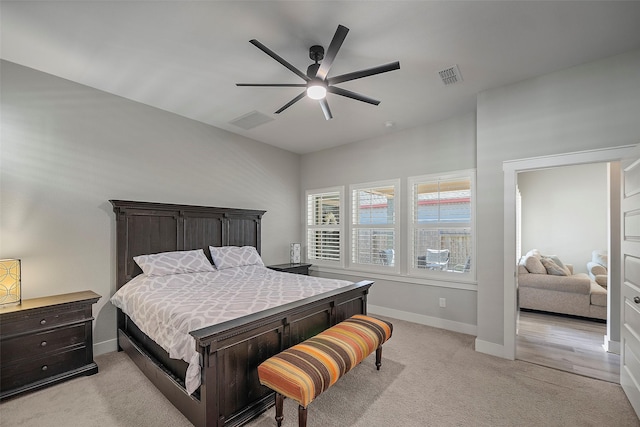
<point x="441" y="226"/>
<point x="324" y="226"/>
<point x="375" y="225"/>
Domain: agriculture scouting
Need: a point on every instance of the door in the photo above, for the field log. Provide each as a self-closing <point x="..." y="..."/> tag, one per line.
<point x="630" y="269"/>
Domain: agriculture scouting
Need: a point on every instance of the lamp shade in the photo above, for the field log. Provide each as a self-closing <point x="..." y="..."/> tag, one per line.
<point x="9" y="281"/>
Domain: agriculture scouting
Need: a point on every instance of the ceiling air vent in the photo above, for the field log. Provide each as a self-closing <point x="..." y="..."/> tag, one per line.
<point x="251" y="120"/>
<point x="450" y="75"/>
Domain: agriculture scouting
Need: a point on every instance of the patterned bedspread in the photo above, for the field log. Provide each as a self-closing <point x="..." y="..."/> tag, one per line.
<point x="167" y="308"/>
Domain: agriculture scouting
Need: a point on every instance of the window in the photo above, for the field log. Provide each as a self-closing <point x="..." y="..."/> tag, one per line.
<point x="441" y="223"/>
<point x="324" y="226"/>
<point x="374" y="225"/>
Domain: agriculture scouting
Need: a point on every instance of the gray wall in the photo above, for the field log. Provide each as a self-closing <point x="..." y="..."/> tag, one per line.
<point x="439" y="147"/>
<point x="67" y="149"/>
<point x="564" y="212"/>
<point x="592" y="106"/>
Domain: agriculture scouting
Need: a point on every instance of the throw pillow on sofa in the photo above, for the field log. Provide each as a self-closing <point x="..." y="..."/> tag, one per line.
<point x="534" y="265"/>
<point x="552" y="268"/>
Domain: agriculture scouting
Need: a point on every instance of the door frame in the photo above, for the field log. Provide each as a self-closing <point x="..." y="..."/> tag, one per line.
<point x="511" y="168"/>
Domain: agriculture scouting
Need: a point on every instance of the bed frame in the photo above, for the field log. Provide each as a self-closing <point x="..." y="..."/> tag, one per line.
<point x="230" y="393"/>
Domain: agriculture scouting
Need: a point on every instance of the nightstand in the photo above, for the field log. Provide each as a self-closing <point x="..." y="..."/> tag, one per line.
<point x="291" y="268"/>
<point x="44" y="341"/>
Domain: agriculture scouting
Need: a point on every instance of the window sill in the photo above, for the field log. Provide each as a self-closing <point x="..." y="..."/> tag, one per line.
<point x="443" y="282"/>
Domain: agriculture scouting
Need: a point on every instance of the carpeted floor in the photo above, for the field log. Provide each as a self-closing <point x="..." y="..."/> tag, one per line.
<point x="429" y="377"/>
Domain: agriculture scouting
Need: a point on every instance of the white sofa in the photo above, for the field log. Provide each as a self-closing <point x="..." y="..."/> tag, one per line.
<point x="550" y="290"/>
<point x="598" y="267"/>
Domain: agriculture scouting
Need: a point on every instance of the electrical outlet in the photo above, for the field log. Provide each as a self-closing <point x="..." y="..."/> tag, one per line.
<point x="443" y="302"/>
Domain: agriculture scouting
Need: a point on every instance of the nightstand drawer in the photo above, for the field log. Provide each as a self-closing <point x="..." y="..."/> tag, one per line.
<point x="36" y="369"/>
<point x="28" y="322"/>
<point x="27" y="347"/>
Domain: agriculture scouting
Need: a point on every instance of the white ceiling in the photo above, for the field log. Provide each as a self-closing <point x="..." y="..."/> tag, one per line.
<point x="186" y="56"/>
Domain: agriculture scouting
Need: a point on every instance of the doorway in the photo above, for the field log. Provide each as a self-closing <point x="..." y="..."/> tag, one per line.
<point x="564" y="212"/>
<point x="511" y="170"/>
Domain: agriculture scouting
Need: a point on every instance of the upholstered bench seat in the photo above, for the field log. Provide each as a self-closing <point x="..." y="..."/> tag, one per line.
<point x="305" y="370"/>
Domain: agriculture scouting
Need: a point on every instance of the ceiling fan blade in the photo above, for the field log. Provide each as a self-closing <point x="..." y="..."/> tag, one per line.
<point x="278" y="58"/>
<point x="325" y="109"/>
<point x="364" y="73"/>
<point x="332" y="51"/>
<point x="290" y="103"/>
<point x="352" y="95"/>
<point x="273" y="84"/>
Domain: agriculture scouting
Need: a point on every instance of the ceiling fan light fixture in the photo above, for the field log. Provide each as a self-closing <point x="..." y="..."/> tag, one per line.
<point x="317" y="81"/>
<point x="317" y="89"/>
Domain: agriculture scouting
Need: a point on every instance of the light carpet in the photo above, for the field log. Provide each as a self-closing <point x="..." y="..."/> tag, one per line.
<point x="429" y="377"/>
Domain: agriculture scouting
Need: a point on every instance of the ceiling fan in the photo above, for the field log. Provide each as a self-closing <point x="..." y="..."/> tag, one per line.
<point x="317" y="83"/>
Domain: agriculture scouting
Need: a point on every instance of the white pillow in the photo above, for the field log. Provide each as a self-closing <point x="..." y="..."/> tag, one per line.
<point x="178" y="262"/>
<point x="234" y="256"/>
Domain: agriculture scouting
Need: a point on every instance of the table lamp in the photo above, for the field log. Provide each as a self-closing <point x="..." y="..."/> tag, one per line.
<point x="9" y="281"/>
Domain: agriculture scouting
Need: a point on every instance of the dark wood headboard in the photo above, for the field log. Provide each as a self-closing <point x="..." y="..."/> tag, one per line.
<point x="149" y="228"/>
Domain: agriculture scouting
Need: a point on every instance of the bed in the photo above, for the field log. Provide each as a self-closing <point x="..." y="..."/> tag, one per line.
<point x="229" y="393"/>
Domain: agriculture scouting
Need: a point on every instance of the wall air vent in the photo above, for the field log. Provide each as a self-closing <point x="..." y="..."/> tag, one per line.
<point x="251" y="120"/>
<point x="450" y="75"/>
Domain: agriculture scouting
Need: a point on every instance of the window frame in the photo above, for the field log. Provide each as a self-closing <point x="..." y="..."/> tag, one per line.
<point x="413" y="225"/>
<point x="310" y="226"/>
<point x="396" y="227"/>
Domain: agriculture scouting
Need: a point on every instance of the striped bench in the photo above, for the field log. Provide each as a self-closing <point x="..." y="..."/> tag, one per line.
<point x="307" y="369"/>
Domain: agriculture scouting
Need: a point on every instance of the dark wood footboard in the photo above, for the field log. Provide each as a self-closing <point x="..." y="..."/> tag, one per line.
<point x="230" y="393"/>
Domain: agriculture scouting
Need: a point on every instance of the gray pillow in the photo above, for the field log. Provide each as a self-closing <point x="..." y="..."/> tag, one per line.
<point x="552" y="268"/>
<point x="555" y="259"/>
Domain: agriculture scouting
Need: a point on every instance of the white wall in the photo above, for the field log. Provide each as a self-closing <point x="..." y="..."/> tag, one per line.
<point x="587" y="107"/>
<point x="564" y="212"/>
<point x="439" y="147"/>
<point x="68" y="149"/>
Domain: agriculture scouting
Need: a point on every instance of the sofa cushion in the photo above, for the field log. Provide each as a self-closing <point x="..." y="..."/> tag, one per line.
<point x="598" y="295"/>
<point x="601" y="279"/>
<point x="534" y="265"/>
<point x="577" y="283"/>
<point x="553" y="268"/>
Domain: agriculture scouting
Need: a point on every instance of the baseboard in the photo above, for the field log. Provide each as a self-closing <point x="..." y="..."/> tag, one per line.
<point x="611" y="346"/>
<point x="490" y="348"/>
<point x="450" y="325"/>
<point x="105" y="347"/>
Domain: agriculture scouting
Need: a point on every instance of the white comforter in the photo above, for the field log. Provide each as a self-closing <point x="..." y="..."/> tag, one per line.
<point x="167" y="308"/>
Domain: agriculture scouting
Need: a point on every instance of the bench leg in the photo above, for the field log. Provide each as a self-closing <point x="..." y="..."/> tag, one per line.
<point x="378" y="357"/>
<point x="279" y="405"/>
<point x="302" y="416"/>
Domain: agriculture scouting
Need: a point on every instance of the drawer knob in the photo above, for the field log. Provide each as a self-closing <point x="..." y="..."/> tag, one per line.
<point x="45" y="367"/>
<point x="43" y="321"/>
<point x="43" y="344"/>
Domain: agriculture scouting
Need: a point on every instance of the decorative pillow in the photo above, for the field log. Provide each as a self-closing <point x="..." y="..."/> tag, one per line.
<point x="534" y="265"/>
<point x="555" y="259"/>
<point x="234" y="256"/>
<point x="552" y="267"/>
<point x="600" y="257"/>
<point x="177" y="262"/>
<point x="533" y="252"/>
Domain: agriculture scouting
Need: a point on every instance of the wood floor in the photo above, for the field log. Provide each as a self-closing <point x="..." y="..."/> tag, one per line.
<point x="565" y="343"/>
